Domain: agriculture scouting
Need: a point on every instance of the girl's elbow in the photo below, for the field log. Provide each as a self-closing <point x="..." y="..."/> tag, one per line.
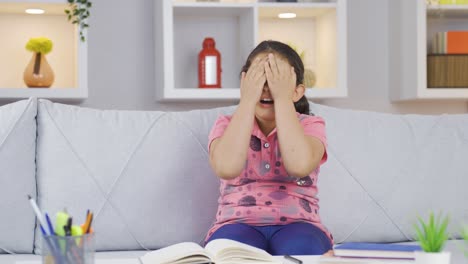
<point x="298" y="173"/>
<point x="301" y="170"/>
<point x="227" y="174"/>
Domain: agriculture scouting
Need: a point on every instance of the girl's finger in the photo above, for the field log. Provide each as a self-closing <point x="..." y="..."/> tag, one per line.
<point x="273" y="64"/>
<point x="253" y="69"/>
<point x="268" y="72"/>
<point x="253" y="66"/>
<point x="259" y="68"/>
<point x="283" y="67"/>
<point x="293" y="75"/>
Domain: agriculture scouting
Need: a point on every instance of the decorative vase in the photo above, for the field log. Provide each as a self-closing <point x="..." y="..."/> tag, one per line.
<point x="38" y="73"/>
<point x="422" y="257"/>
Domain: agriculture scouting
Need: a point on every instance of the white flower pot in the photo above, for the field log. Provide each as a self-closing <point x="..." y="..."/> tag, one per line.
<point x="432" y="257"/>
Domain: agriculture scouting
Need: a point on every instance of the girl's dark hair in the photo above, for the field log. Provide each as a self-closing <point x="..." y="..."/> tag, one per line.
<point x="302" y="106"/>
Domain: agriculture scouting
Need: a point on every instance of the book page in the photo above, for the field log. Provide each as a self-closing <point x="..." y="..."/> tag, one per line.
<point x="186" y="252"/>
<point x="230" y="251"/>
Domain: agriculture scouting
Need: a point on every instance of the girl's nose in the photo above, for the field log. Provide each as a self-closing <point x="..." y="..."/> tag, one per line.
<point x="265" y="88"/>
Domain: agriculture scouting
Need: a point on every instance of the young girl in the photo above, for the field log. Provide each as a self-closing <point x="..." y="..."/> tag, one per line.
<point x="268" y="155"/>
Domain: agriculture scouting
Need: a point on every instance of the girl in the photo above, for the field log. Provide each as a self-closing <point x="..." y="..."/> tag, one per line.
<point x="268" y="155"/>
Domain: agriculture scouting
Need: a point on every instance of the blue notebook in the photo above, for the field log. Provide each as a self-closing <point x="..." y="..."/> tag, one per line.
<point x="376" y="250"/>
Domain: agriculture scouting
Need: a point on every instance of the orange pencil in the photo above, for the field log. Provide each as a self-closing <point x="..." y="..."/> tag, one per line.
<point x="86" y="225"/>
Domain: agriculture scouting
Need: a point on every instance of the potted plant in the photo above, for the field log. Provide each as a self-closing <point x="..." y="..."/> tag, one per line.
<point x="38" y="73"/>
<point x="432" y="236"/>
<point x="78" y="13"/>
<point x="309" y="75"/>
<point x="465" y="237"/>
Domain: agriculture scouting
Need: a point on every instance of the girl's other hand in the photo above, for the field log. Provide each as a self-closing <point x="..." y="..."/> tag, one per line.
<point x="281" y="78"/>
<point x="253" y="81"/>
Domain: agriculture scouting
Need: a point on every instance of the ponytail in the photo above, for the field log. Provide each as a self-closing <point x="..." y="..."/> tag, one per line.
<point x="302" y="106"/>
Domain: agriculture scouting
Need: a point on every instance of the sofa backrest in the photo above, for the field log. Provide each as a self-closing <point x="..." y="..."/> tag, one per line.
<point x="17" y="175"/>
<point x="145" y="175"/>
<point x="384" y="170"/>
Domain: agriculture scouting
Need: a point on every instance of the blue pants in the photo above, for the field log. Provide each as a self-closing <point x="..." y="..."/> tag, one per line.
<point x="292" y="239"/>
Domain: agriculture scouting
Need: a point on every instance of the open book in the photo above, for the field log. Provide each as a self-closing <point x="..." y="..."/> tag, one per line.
<point x="219" y="251"/>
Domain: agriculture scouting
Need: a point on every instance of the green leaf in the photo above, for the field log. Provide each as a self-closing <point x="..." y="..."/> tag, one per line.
<point x="465" y="233"/>
<point x="432" y="234"/>
<point x="78" y="13"/>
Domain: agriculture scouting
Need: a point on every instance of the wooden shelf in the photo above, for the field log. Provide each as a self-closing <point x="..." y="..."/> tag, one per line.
<point x="237" y="28"/>
<point x="68" y="57"/>
<point x="232" y="94"/>
<point x="450" y="11"/>
<point x="308" y="8"/>
<point x="59" y="93"/>
<point x="411" y="36"/>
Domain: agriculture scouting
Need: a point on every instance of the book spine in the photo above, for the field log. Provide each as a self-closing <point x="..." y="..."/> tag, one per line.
<point x="457" y="42"/>
<point x="444" y="43"/>
<point x="433" y="49"/>
<point x="435" y="43"/>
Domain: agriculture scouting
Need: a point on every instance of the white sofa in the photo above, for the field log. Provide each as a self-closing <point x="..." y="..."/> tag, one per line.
<point x="146" y="175"/>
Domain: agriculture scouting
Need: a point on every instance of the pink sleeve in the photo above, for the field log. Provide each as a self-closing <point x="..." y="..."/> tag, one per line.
<point x="218" y="128"/>
<point x="315" y="126"/>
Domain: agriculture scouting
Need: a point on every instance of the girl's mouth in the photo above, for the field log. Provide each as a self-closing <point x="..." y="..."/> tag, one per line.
<point x="266" y="101"/>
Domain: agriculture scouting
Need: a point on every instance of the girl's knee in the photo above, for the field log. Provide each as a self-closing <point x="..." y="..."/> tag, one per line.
<point x="300" y="239"/>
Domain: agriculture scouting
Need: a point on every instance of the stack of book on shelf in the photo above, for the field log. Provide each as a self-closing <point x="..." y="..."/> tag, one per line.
<point x="376" y="251"/>
<point x="447" y="62"/>
<point x="450" y="42"/>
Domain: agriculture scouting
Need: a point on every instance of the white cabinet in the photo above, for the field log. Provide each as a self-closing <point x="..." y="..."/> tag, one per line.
<point x="68" y="58"/>
<point x="237" y="27"/>
<point x="413" y="24"/>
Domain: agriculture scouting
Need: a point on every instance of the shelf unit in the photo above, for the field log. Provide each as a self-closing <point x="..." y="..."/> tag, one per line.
<point x="411" y="30"/>
<point x="237" y="27"/>
<point x="68" y="57"/>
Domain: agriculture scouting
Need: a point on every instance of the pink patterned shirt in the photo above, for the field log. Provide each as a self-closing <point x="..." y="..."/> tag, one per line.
<point x="264" y="193"/>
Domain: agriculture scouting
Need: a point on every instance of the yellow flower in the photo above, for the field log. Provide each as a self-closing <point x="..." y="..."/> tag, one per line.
<point x="39" y="45"/>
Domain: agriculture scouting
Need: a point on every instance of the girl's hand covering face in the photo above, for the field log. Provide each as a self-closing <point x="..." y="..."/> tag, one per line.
<point x="253" y="80"/>
<point x="281" y="78"/>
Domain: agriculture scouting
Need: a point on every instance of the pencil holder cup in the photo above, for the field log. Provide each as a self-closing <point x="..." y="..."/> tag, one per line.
<point x="68" y="249"/>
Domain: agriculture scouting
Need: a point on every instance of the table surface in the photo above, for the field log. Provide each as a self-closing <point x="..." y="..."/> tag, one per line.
<point x="305" y="260"/>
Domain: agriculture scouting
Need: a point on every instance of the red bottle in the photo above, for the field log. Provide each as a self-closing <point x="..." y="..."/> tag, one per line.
<point x="209" y="65"/>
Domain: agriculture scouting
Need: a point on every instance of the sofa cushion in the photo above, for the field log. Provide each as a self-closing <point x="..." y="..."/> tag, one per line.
<point x="384" y="170"/>
<point x="17" y="175"/>
<point x="145" y="175"/>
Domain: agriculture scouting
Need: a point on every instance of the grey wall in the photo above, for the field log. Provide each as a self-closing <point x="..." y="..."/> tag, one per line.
<point x="121" y="66"/>
<point x="121" y="58"/>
